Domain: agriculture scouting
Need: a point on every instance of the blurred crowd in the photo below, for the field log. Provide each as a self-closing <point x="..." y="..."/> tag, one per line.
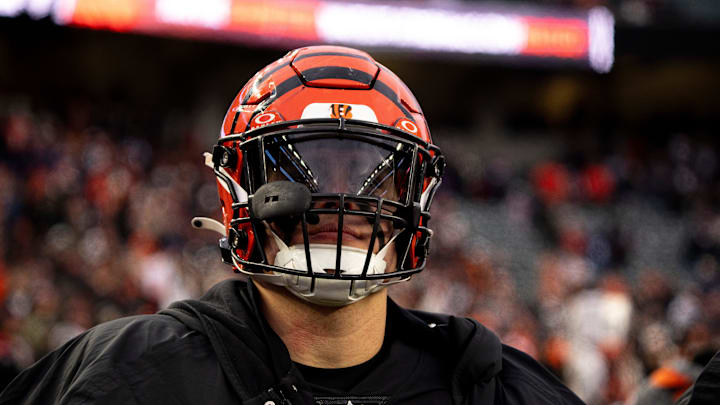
<point x="95" y="225"/>
<point x="601" y="263"/>
<point x="600" y="259"/>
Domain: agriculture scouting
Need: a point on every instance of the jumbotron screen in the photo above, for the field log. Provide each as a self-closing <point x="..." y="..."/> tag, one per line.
<point x="500" y="30"/>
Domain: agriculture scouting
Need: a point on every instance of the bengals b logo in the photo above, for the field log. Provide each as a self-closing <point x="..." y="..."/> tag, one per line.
<point x="340" y="110"/>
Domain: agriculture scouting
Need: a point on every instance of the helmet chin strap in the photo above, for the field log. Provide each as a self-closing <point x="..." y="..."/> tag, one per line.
<point x="327" y="292"/>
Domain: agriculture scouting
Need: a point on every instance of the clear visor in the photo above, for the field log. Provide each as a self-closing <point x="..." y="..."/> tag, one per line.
<point x="341" y="166"/>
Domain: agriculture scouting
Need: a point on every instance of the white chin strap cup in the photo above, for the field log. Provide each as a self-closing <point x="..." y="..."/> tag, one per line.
<point x="327" y="292"/>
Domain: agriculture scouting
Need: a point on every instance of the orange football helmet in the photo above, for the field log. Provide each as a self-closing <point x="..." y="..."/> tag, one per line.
<point x="324" y="162"/>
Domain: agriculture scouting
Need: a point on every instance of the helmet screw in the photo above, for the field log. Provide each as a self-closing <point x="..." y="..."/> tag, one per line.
<point x="238" y="239"/>
<point x="226" y="157"/>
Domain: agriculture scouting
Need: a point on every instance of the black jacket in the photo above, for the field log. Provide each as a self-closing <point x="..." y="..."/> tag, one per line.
<point x="706" y="389"/>
<point x="219" y="350"/>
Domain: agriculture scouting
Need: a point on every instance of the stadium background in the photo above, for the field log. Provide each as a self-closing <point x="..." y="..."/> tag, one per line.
<point x="579" y="217"/>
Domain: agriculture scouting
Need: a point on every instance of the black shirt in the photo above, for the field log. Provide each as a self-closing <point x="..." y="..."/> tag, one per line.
<point x="402" y="372"/>
<point x="339" y="379"/>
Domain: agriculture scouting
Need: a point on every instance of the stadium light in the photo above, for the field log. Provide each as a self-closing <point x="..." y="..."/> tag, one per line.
<point x="490" y="29"/>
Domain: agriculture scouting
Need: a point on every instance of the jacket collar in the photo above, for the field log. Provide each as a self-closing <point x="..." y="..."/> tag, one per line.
<point x="476" y="351"/>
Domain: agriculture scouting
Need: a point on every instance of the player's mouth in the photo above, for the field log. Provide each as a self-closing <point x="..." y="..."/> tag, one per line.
<point x="328" y="233"/>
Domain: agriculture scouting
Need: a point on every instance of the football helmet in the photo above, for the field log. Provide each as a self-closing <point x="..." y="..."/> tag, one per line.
<point x="326" y="171"/>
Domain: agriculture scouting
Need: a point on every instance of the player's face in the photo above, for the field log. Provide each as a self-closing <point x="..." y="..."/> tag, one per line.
<point x="342" y="167"/>
<point x="356" y="232"/>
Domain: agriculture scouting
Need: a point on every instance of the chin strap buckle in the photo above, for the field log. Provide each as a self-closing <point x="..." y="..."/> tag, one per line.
<point x="216" y="226"/>
<point x="225" y="252"/>
<point x="422" y="249"/>
<point x="416" y="214"/>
